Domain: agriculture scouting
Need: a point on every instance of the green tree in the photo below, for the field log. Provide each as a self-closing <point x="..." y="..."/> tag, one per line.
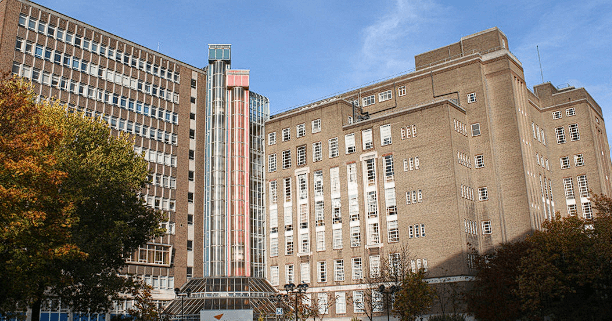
<point x="494" y="296"/>
<point x="414" y="298"/>
<point x="101" y="216"/>
<point x="35" y="218"/>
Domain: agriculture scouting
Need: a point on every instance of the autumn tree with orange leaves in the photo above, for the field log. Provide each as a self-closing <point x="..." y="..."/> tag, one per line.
<point x="70" y="209"/>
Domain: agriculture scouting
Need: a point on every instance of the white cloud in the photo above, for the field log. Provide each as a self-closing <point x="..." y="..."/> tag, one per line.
<point x="390" y="43"/>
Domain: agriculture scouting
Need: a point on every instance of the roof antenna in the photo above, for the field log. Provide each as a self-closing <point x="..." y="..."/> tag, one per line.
<point x="540" y="60"/>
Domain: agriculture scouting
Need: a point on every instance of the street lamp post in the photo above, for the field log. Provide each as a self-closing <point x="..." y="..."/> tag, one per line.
<point x="292" y="288"/>
<point x="391" y="290"/>
<point x="177" y="291"/>
<point x="277" y="298"/>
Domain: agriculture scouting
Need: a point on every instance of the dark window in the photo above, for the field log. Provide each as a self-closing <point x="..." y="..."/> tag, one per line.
<point x="190" y="219"/>
<point x="194" y="83"/>
<point x="192" y="116"/>
<point x="189" y="245"/>
<point x="189" y="272"/>
<point x="191" y="154"/>
<point x="193" y="100"/>
<point x="192" y="133"/>
<point x="190" y="197"/>
<point x="191" y="174"/>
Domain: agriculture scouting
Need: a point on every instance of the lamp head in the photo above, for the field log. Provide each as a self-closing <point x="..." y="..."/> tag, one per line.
<point x="381" y="288"/>
<point x="189" y="291"/>
<point x="289" y="287"/>
<point x="177" y="291"/>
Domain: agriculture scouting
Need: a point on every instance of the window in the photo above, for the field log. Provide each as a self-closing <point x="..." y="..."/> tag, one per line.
<point x="370" y="170"/>
<point x="289" y="273"/>
<point x="574" y="134"/>
<point x="333" y="147"/>
<point x="372" y="204"/>
<point x="357" y="269"/>
<point x="318" y="183"/>
<point x="340" y="302"/>
<point x="301" y="130"/>
<point x="321" y="271"/>
<point x="305" y="272"/>
<point x="317" y="152"/>
<point x="287" y="186"/>
<point x="288" y="244"/>
<point x="389" y="172"/>
<point x="560" y="132"/>
<point x="401" y="91"/>
<point x="565" y="162"/>
<point x="355" y="236"/>
<point x="353" y="207"/>
<point x="304" y="243"/>
<point x="583" y="187"/>
<point x="366" y="137"/>
<point x="578" y="160"/>
<point x="390" y="201"/>
<point x="373" y="234"/>
<point x="272" y="138"/>
<point x="273" y="246"/>
<point x="568" y="186"/>
<point x="302" y="187"/>
<point x="337" y="238"/>
<point x="338" y="270"/>
<point x="475" y="129"/>
<point x="319" y="213"/>
<point x="587" y="211"/>
<point x="286" y="159"/>
<point x="336" y="213"/>
<point x="358" y="306"/>
<point x="374" y="266"/>
<point x="385" y="135"/>
<point x="323" y="307"/>
<point x="320" y="240"/>
<point x="369" y="100"/>
<point x="385" y="95"/>
<point x="301" y="155"/>
<point x="570" y="112"/>
<point x="349" y="142"/>
<point x="471" y="98"/>
<point x="483" y="194"/>
<point x="571" y="209"/>
<point x="334" y="178"/>
<point x="272" y="163"/>
<point x="556" y="114"/>
<point x="190" y="197"/>
<point x="486" y="227"/>
<point x="479" y="161"/>
<point x="316" y="125"/>
<point x="286" y="134"/>
<point x="393" y="231"/>
<point x="274" y="275"/>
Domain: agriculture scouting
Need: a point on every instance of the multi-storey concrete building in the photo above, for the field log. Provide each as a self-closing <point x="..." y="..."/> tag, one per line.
<point x="201" y="130"/>
<point x="458" y="154"/>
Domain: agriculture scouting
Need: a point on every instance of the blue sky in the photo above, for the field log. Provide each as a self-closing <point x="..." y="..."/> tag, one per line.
<point x="302" y="51"/>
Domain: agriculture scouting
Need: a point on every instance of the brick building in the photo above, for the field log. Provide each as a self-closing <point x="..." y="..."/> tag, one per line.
<point x="202" y="149"/>
<point x="457" y="154"/>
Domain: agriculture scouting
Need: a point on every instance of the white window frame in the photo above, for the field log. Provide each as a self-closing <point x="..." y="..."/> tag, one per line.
<point x="483" y="193"/>
<point x="385" y="135"/>
<point x="578" y="160"/>
<point x="479" y="161"/>
<point x="316" y="125"/>
<point x="333" y="147"/>
<point x="300" y="130"/>
<point x="369" y="100"/>
<point x="557" y="114"/>
<point x="564" y="162"/>
<point x="385" y="95"/>
<point x="475" y="129"/>
<point x="286" y="134"/>
<point x="286" y="159"/>
<point x="367" y="139"/>
<point x="560" y="134"/>
<point x="339" y="270"/>
<point x="486" y="227"/>
<point x="349" y="143"/>
<point x="272" y="138"/>
<point x="471" y="98"/>
<point x="401" y="91"/>
<point x="272" y="163"/>
<point x="317" y="152"/>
